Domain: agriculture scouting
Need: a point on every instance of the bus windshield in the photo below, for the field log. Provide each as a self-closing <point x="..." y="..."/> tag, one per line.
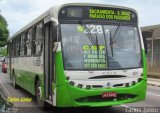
<point x="116" y="46"/>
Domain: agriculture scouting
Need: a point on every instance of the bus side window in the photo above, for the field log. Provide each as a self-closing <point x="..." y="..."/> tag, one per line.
<point x="22" y="44"/>
<point x="33" y="41"/>
<point x="25" y="44"/>
<point x="28" y="42"/>
<point x="14" y="48"/>
<point x="38" y="39"/>
<point x="18" y="40"/>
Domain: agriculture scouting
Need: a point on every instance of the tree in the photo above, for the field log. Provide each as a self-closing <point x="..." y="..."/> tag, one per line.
<point x="3" y="51"/>
<point x="4" y="33"/>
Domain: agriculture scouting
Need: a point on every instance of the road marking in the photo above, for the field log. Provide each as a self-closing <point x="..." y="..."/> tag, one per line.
<point x="132" y="108"/>
<point x="125" y="106"/>
<point x="4" y="88"/>
<point x="153" y="94"/>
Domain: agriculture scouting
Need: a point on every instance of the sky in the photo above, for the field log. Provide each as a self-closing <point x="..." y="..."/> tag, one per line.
<point x="18" y="13"/>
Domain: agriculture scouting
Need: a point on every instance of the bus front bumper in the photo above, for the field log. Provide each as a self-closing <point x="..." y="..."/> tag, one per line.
<point x="70" y="96"/>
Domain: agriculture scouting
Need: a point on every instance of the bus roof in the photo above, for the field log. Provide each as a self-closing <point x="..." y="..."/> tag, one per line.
<point x="54" y="10"/>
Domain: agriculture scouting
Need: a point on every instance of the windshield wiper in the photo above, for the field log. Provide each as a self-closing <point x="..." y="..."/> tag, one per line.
<point x="93" y="39"/>
<point x="114" y="38"/>
<point x="97" y="45"/>
<point x="111" y="43"/>
<point x="116" y="33"/>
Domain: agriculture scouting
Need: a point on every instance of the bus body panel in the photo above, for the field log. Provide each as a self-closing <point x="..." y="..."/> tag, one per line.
<point x="25" y="70"/>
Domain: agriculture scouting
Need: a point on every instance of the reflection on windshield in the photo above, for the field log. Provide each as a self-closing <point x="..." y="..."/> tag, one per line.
<point x="126" y="48"/>
<point x="78" y="50"/>
<point x="80" y="53"/>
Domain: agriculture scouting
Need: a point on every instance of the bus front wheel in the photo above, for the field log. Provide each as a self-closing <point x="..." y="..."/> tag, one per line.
<point x="40" y="102"/>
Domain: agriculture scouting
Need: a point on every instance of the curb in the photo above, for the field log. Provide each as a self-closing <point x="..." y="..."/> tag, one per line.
<point x="2" y="92"/>
<point x="152" y="84"/>
<point x="4" y="95"/>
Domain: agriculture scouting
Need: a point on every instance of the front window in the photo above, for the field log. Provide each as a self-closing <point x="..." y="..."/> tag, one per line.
<point x="94" y="46"/>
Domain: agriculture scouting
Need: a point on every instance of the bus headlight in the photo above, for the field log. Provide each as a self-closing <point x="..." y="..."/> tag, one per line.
<point x="133" y="82"/>
<point x="80" y="85"/>
<point x="127" y="84"/>
<point x="71" y="83"/>
<point x="139" y="79"/>
<point x="67" y="78"/>
<point x="88" y="87"/>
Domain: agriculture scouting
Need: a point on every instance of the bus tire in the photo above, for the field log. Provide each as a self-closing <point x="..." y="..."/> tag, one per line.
<point x="106" y="108"/>
<point x="41" y="103"/>
<point x="14" y="81"/>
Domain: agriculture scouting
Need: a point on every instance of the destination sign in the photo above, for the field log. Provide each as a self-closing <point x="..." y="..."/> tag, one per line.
<point x="97" y="13"/>
<point x="109" y="14"/>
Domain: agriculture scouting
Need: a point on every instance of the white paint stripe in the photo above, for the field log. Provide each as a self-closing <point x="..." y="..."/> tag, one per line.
<point x="125" y="106"/>
<point x="133" y="108"/>
<point x="153" y="94"/>
<point x="4" y="88"/>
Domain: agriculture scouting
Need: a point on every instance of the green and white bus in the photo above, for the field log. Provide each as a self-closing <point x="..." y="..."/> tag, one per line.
<point x="80" y="54"/>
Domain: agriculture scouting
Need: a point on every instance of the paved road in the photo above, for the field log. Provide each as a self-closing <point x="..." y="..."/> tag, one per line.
<point x="152" y="100"/>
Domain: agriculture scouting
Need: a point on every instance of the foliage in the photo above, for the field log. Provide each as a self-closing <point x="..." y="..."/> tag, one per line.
<point x="3" y="51"/>
<point x="4" y="33"/>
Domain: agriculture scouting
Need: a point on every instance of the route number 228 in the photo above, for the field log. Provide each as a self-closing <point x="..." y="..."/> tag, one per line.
<point x="94" y="29"/>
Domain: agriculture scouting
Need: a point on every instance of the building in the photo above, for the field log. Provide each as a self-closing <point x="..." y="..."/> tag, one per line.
<point x="151" y="37"/>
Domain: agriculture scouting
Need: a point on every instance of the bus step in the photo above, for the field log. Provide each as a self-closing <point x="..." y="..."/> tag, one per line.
<point x="49" y="101"/>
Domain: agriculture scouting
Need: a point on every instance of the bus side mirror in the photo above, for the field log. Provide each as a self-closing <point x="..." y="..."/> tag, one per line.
<point x="54" y="21"/>
<point x="49" y="19"/>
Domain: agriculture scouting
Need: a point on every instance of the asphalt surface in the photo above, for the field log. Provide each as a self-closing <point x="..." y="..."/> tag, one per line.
<point x="150" y="105"/>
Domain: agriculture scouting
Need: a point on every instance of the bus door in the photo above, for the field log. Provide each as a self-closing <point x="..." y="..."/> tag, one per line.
<point x="48" y="60"/>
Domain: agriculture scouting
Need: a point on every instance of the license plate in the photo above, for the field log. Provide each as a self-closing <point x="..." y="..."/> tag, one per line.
<point x="109" y="94"/>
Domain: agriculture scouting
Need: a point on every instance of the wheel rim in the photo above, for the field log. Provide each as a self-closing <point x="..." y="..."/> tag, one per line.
<point x="38" y="95"/>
